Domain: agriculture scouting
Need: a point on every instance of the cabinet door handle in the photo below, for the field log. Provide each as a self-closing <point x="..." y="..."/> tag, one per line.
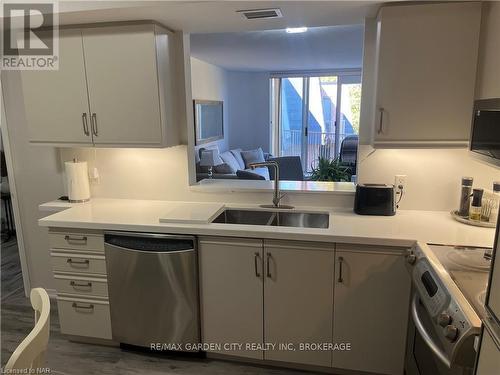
<point x="256" y="260"/>
<point x="340" y="278"/>
<point x="381" y="121"/>
<point x="85" y="124"/>
<point x="87" y="306"/>
<point x="268" y="266"/>
<point x="81" y="262"/>
<point x="78" y="285"/>
<point x="82" y="239"/>
<point x="93" y="124"/>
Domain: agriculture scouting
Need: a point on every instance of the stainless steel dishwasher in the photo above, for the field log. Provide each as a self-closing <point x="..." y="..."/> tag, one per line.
<point x="153" y="288"/>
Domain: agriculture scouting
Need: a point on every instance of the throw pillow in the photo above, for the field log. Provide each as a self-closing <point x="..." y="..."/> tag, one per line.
<point x="230" y="160"/>
<point x="253" y="156"/>
<point x="261" y="171"/>
<point x="223" y="168"/>
<point x="246" y="175"/>
<point x="237" y="155"/>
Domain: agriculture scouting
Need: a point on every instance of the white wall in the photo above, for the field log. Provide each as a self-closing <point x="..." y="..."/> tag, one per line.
<point x="246" y="103"/>
<point x="162" y="174"/>
<point x="209" y="82"/>
<point x="488" y="77"/>
<point x="38" y="178"/>
<point x="249" y="110"/>
<point x="433" y="181"/>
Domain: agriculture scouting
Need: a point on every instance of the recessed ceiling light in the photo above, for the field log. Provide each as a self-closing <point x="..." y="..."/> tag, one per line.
<point x="296" y="30"/>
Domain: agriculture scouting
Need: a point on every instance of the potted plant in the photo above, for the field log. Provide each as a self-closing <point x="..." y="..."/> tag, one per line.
<point x="331" y="170"/>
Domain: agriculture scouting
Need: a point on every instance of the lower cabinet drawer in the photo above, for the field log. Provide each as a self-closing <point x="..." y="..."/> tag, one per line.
<point x="76" y="240"/>
<point x="77" y="284"/>
<point x="75" y="262"/>
<point x="84" y="317"/>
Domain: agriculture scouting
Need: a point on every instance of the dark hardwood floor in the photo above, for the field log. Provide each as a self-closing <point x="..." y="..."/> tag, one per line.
<point x="10" y="268"/>
<point x="65" y="357"/>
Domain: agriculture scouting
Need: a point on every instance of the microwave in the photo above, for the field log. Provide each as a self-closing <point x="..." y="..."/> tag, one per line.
<point x="485" y="134"/>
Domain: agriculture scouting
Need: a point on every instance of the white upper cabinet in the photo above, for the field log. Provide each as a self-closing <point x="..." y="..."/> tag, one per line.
<point x="115" y="80"/>
<point x="123" y="84"/>
<point x="56" y="102"/>
<point x="425" y="70"/>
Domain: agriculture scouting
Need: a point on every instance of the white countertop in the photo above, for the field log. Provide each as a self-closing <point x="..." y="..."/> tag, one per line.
<point x="260" y="186"/>
<point x="403" y="229"/>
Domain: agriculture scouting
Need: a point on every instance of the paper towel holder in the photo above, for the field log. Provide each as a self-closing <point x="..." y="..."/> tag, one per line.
<point x="77" y="181"/>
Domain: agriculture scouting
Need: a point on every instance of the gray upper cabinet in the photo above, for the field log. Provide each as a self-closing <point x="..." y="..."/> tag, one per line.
<point x="114" y="88"/>
<point x="425" y="69"/>
<point x="56" y="102"/>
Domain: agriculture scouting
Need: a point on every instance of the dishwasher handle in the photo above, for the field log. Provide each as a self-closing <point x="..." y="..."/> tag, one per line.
<point x="149" y="242"/>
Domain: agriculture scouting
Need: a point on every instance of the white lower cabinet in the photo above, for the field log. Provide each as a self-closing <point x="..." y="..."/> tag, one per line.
<point x="84" y="317"/>
<point x="272" y="292"/>
<point x="231" y="287"/>
<point x="372" y="293"/>
<point x="79" y="266"/>
<point x="298" y="301"/>
<point x="488" y="360"/>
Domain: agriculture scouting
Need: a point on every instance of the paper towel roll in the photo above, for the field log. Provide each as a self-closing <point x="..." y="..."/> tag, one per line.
<point x="77" y="179"/>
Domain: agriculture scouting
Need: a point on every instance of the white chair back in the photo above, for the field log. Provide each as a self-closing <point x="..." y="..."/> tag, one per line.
<point x="30" y="354"/>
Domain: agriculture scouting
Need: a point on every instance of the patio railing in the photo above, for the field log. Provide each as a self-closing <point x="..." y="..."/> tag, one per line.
<point x="318" y="144"/>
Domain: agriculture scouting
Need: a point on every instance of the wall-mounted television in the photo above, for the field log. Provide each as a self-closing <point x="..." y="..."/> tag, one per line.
<point x="485" y="134"/>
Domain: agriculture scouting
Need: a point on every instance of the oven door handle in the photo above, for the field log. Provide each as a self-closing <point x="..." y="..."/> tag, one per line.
<point x="425" y="335"/>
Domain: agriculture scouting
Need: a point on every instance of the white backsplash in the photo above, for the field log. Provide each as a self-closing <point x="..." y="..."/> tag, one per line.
<point x="433" y="181"/>
<point x="433" y="175"/>
<point x="162" y="174"/>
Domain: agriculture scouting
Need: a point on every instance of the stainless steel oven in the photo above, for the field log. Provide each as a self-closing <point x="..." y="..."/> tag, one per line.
<point x="443" y="324"/>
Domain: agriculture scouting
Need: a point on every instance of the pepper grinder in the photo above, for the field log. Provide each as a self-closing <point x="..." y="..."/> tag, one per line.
<point x="465" y="196"/>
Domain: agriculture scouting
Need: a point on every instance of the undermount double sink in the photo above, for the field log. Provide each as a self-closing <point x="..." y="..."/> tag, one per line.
<point x="276" y="218"/>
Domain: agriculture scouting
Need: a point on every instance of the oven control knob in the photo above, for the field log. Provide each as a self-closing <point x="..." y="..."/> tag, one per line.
<point x="451" y="332"/>
<point x="444" y="319"/>
<point x="411" y="258"/>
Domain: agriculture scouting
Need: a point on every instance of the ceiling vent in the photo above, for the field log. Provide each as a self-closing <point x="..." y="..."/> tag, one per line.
<point x="254" y="14"/>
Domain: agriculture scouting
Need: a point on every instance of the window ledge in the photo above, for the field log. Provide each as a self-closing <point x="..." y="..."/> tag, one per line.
<point x="251" y="186"/>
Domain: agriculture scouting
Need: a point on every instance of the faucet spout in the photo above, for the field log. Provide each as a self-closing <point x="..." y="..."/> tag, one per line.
<point x="277" y="195"/>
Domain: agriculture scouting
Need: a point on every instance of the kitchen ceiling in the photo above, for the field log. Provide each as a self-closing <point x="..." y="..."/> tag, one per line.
<point x="218" y="16"/>
<point x="320" y="48"/>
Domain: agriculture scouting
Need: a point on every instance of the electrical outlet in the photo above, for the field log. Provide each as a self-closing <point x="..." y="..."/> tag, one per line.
<point x="94" y="176"/>
<point x="400" y="181"/>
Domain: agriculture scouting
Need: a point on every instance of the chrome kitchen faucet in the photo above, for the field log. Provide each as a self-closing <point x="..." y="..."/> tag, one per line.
<point x="277" y="194"/>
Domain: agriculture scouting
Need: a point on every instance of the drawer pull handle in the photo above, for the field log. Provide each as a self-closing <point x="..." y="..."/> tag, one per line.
<point x="87" y="306"/>
<point x="85" y="262"/>
<point x="85" y="124"/>
<point x="381" y="122"/>
<point x="256" y="264"/>
<point x="83" y="285"/>
<point x="268" y="266"/>
<point x="341" y="277"/>
<point x="82" y="239"/>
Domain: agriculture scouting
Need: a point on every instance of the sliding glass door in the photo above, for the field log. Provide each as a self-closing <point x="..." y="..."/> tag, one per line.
<point x="306" y="110"/>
